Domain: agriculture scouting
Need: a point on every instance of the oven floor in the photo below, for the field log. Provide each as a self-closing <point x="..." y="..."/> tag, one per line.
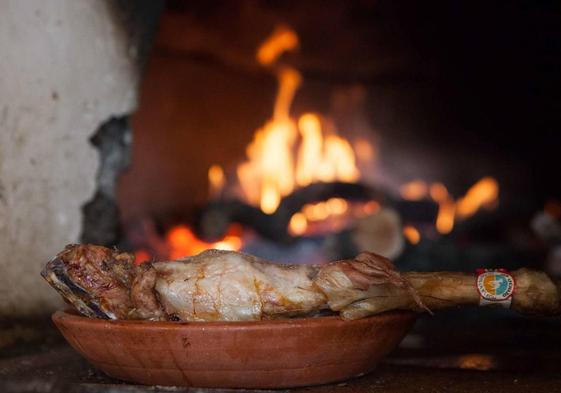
<point x="63" y="370"/>
<point x="440" y="355"/>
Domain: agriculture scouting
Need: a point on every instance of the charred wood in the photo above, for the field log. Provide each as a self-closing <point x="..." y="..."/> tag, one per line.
<point x="212" y="220"/>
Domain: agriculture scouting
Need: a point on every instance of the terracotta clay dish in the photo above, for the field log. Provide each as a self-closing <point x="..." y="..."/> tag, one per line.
<point x="262" y="354"/>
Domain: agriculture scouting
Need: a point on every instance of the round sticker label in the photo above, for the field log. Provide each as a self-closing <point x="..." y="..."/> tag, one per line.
<point x="495" y="285"/>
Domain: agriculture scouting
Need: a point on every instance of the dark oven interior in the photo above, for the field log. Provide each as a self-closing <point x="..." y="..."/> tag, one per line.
<point x="449" y="126"/>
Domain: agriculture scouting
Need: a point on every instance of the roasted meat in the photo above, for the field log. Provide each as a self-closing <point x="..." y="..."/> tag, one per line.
<point x="214" y="285"/>
<point x="231" y="286"/>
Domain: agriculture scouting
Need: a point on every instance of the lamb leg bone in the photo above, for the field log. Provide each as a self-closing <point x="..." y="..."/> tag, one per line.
<point x="535" y="293"/>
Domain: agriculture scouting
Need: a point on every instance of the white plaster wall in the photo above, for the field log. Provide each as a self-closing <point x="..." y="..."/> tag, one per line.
<point x="65" y="67"/>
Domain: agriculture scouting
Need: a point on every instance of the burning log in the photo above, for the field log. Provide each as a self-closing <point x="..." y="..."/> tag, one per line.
<point x="380" y="232"/>
<point x="213" y="220"/>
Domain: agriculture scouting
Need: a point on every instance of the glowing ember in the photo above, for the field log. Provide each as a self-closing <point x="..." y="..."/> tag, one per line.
<point x="370" y="208"/>
<point x="328" y="216"/>
<point x="412" y="234"/>
<point x="298" y="224"/>
<point x="316" y="212"/>
<point x="477" y="361"/>
<point x="337" y="205"/>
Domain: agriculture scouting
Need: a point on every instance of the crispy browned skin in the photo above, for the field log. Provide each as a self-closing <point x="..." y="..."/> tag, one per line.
<point x="106" y="274"/>
<point x="143" y="297"/>
<point x="95" y="279"/>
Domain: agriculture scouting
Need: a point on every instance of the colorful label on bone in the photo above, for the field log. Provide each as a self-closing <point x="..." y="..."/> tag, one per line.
<point x="495" y="287"/>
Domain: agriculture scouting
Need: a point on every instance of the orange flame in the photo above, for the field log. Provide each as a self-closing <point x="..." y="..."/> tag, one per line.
<point x="412" y="234"/>
<point x="446" y="208"/>
<point x="414" y="190"/>
<point x="332" y="214"/>
<point x="283" y="39"/>
<point x="310" y="150"/>
<point x="483" y="193"/>
<point x="285" y="154"/>
<point x="446" y="216"/>
<point x="141" y="256"/>
<point x="216" y="180"/>
<point x="438" y="192"/>
<point x="371" y="208"/>
<point x="323" y="159"/>
<point x="183" y="242"/>
<point x="364" y="150"/>
<point x="289" y="81"/>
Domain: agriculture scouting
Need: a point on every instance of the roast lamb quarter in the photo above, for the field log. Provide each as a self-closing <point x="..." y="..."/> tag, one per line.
<point x="232" y="286"/>
<point x="215" y="285"/>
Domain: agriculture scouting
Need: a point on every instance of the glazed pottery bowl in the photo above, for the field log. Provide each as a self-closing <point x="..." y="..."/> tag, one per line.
<point x="262" y="354"/>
